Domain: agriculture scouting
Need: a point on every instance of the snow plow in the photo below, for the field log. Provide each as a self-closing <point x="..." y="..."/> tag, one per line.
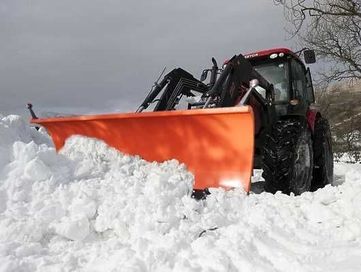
<point x="257" y="111"/>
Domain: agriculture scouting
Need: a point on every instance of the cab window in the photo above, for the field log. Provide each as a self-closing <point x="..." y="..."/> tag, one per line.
<point x="310" y="92"/>
<point x="277" y="74"/>
<point x="298" y="83"/>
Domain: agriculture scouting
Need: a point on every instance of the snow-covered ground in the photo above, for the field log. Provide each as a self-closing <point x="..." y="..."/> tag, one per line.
<point x="91" y="208"/>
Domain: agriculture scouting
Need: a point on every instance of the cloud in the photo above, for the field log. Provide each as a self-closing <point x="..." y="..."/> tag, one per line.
<point x="104" y="54"/>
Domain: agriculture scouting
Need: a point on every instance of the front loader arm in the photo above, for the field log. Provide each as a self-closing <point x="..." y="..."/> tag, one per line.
<point x="221" y="92"/>
<point x="238" y="73"/>
<point x="175" y="83"/>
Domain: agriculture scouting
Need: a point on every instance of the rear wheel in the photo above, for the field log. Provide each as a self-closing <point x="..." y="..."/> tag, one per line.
<point x="288" y="157"/>
<point x="323" y="157"/>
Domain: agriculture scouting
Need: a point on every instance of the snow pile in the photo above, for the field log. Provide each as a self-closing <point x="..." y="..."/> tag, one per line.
<point x="91" y="208"/>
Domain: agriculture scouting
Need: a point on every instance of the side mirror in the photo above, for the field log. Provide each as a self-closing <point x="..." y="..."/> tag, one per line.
<point x="204" y="75"/>
<point x="310" y="56"/>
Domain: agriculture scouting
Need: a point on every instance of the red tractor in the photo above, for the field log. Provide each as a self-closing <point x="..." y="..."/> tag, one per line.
<point x="257" y="111"/>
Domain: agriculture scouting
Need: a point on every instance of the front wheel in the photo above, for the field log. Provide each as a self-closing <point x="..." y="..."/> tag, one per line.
<point x="288" y="157"/>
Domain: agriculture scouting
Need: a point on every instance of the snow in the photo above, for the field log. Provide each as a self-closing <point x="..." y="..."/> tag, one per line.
<point x="91" y="208"/>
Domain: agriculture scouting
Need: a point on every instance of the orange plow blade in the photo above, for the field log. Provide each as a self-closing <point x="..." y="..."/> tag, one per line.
<point x="216" y="144"/>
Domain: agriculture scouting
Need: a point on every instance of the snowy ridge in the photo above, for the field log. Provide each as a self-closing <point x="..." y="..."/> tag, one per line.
<point x="91" y="208"/>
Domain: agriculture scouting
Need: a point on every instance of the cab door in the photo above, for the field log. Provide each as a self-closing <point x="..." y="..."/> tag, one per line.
<point x="301" y="91"/>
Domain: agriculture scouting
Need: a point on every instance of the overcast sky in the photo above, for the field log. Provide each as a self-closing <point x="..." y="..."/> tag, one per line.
<point x="103" y="55"/>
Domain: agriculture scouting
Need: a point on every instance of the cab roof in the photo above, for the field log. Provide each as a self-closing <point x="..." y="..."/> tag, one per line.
<point x="269" y="52"/>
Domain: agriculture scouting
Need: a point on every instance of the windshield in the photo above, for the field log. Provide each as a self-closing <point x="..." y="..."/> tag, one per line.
<point x="277" y="74"/>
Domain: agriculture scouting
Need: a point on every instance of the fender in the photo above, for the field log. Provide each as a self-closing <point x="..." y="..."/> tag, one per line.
<point x="311" y="115"/>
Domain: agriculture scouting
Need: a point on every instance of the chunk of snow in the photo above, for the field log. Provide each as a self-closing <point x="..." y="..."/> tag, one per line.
<point x="92" y="208"/>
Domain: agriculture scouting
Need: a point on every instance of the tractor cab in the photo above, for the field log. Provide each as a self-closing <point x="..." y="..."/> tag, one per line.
<point x="293" y="89"/>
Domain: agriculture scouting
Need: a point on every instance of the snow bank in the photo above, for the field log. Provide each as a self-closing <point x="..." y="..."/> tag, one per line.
<point x="91" y="208"/>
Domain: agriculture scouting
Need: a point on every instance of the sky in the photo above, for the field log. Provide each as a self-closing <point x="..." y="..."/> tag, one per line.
<point x="87" y="56"/>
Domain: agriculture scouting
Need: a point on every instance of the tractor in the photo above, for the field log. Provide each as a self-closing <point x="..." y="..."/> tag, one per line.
<point x="255" y="111"/>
